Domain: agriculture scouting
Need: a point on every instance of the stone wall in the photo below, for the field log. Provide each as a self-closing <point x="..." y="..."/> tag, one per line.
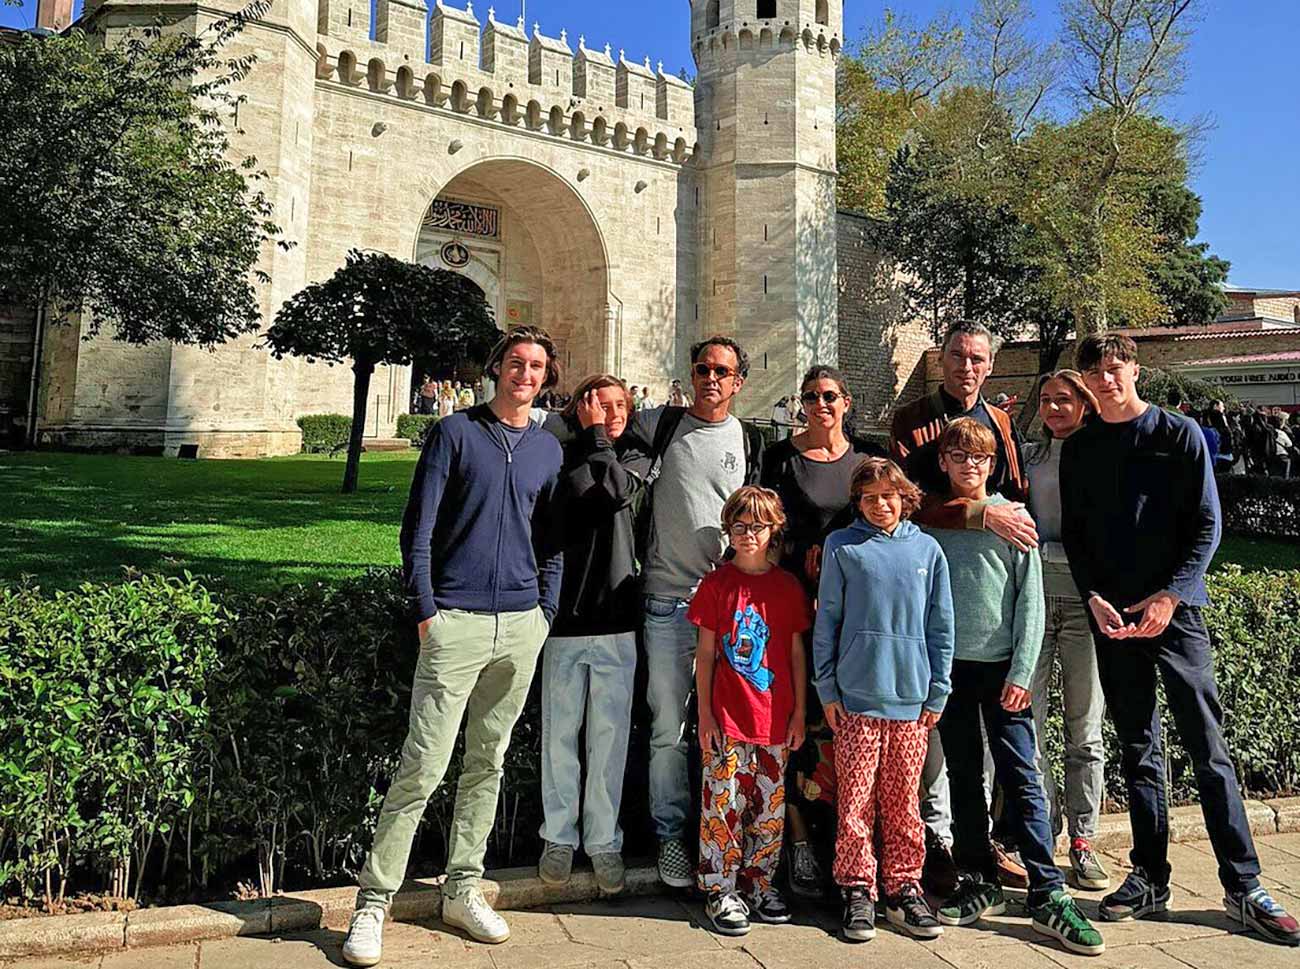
<point x="881" y="352"/>
<point x="1015" y="369"/>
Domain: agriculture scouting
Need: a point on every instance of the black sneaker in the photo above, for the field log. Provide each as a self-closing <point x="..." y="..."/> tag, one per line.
<point x="859" y="921"/>
<point x="939" y="875"/>
<point x="972" y="901"/>
<point x="909" y="911"/>
<point x="729" y="915"/>
<point x="767" y="905"/>
<point x="805" y="873"/>
<point x="1258" y="911"/>
<point x="1137" y="898"/>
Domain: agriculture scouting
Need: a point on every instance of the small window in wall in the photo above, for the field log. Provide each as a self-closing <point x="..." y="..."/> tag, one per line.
<point x="823" y="12"/>
<point x="462" y="50"/>
<point x="766" y="9"/>
<point x="713" y="16"/>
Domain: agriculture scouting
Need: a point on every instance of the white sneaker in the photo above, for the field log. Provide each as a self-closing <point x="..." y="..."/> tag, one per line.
<point x="470" y="911"/>
<point x="365" y="941"/>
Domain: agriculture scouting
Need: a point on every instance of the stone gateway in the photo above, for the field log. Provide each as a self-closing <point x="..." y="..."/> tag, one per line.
<point x="625" y="210"/>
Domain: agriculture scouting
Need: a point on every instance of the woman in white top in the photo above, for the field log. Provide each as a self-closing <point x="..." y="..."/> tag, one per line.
<point x="1065" y="404"/>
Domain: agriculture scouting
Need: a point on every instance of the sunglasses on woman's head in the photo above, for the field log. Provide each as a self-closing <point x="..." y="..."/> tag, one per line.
<point x="826" y="396"/>
<point x="722" y="373"/>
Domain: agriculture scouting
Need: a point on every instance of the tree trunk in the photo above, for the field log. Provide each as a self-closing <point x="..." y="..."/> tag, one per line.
<point x="360" y="390"/>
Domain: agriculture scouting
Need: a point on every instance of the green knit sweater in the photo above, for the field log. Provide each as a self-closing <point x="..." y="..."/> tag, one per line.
<point x="997" y="596"/>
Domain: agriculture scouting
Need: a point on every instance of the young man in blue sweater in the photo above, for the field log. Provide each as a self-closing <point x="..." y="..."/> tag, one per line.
<point x="1140" y="525"/>
<point x="483" y="572"/>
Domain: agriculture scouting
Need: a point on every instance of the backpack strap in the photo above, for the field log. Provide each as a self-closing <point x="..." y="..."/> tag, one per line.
<point x="669" y="421"/>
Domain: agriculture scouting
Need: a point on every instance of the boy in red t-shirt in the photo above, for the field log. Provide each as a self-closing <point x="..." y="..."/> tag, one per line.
<point x="751" y="681"/>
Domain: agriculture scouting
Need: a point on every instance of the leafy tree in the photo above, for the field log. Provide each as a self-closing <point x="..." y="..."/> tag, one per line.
<point x="377" y="309"/>
<point x="116" y="193"/>
<point x="1187" y="276"/>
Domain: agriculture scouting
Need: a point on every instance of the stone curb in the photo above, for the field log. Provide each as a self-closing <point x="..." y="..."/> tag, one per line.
<point x="419" y="900"/>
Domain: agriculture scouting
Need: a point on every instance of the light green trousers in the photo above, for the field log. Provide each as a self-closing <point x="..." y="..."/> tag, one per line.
<point x="475" y="663"/>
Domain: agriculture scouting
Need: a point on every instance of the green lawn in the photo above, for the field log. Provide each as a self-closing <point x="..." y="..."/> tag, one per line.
<point x="254" y="524"/>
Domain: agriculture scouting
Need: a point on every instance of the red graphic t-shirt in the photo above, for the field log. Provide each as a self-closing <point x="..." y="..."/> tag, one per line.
<point x="754" y="619"/>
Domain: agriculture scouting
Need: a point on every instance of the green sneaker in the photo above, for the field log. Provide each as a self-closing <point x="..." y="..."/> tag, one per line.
<point x="972" y="900"/>
<point x="1060" y="918"/>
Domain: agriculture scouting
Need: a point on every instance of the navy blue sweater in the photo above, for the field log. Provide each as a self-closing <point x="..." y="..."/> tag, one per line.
<point x="477" y="530"/>
<point x="1140" y="508"/>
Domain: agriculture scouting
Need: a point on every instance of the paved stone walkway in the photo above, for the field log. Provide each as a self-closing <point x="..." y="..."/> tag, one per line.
<point x="666" y="933"/>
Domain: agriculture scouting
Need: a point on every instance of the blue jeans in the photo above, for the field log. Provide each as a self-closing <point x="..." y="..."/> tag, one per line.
<point x="976" y="693"/>
<point x="591" y="677"/>
<point x="670" y="662"/>
<point x="1185" y="661"/>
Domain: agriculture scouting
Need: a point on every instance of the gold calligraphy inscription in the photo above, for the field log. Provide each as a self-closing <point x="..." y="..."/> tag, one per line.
<point x="464" y="218"/>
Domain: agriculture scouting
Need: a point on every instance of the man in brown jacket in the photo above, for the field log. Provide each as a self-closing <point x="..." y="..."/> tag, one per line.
<point x="914" y="443"/>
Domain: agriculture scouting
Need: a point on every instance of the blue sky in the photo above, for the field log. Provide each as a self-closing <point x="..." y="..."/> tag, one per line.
<point x="1242" y="74"/>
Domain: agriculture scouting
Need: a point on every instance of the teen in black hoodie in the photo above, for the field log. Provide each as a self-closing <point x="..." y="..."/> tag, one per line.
<point x="589" y="661"/>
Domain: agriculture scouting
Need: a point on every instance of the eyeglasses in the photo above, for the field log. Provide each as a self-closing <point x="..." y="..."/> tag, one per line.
<point x="826" y="396"/>
<point x="964" y="457"/>
<point x="740" y="529"/>
<point x="722" y="373"/>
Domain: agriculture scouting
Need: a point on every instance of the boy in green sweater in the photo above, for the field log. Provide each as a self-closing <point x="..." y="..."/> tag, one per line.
<point x="997" y="594"/>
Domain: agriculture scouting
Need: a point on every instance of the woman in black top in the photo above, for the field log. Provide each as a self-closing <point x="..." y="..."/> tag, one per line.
<point x="812" y="472"/>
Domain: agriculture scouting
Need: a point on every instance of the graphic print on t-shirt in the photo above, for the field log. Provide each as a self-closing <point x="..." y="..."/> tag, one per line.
<point x="746" y="645"/>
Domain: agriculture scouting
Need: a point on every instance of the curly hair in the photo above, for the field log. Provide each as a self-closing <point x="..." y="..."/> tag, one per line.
<point x="873" y="470"/>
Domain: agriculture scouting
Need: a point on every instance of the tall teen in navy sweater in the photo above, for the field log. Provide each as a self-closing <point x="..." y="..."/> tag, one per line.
<point x="1140" y="524"/>
<point x="483" y="580"/>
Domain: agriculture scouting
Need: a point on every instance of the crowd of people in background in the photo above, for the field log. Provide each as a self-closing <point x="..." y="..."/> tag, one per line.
<point x="442" y="398"/>
<point x="849" y="650"/>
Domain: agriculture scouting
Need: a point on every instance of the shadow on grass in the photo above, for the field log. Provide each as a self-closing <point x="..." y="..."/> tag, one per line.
<point x="252" y="525"/>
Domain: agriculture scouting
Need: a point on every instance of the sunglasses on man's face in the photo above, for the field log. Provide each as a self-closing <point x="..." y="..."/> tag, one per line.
<point x="826" y="397"/>
<point x="722" y="373"/>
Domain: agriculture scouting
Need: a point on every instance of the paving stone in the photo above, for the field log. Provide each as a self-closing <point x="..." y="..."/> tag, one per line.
<point x="642" y="928"/>
<point x="1117" y="957"/>
<point x="175" y="957"/>
<point x="404" y="946"/>
<point x="998" y="957"/>
<point x="1232" y="950"/>
<point x="812" y="947"/>
<point x="706" y="959"/>
<point x="1288" y="842"/>
<point x="538" y="941"/>
<point x="56" y="962"/>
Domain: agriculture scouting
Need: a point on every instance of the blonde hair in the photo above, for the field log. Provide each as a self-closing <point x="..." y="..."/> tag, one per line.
<point x="763" y="505"/>
<point x="968" y="434"/>
<point x="873" y="470"/>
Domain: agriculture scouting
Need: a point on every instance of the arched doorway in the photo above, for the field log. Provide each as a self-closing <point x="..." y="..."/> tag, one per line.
<point x="530" y="242"/>
<point x="425" y="368"/>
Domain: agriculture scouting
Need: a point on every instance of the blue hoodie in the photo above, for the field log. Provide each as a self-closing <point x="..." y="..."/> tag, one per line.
<point x="883" y="642"/>
<point x="479" y="532"/>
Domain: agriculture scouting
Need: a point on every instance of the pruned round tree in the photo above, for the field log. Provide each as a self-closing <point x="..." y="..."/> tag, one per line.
<point x="378" y="309"/>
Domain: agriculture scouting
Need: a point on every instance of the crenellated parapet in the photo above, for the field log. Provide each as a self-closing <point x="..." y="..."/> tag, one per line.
<point x="502" y="73"/>
<point x="720" y="28"/>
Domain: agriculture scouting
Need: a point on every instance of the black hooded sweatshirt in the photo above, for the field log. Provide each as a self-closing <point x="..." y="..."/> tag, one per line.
<point x="598" y="484"/>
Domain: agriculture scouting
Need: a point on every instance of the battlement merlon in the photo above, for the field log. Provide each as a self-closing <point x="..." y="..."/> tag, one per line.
<point x="511" y="56"/>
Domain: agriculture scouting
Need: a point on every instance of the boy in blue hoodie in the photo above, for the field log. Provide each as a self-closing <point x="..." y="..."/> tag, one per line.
<point x="882" y="649"/>
<point x="1000" y="627"/>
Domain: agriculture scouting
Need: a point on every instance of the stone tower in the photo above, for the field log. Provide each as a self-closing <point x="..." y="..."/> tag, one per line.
<point x="765" y="110"/>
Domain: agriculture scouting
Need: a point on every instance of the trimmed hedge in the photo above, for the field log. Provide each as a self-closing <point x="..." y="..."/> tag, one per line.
<point x="156" y="741"/>
<point x="415" y="427"/>
<point x="324" y="433"/>
<point x="1261" y="506"/>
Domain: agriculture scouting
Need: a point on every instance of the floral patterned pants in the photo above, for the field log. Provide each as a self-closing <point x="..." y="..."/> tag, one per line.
<point x="878" y="769"/>
<point x="743" y="817"/>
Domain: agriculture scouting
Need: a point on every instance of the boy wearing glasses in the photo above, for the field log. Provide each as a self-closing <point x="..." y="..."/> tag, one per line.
<point x="751" y="679"/>
<point x="699" y="456"/>
<point x="997" y="591"/>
